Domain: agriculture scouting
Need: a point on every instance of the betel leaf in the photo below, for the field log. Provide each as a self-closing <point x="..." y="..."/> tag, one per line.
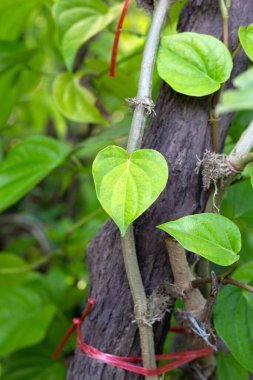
<point x="26" y="165"/>
<point x="229" y="368"/>
<point x="24" y="318"/>
<point x="13" y="16"/>
<point x="233" y="319"/>
<point x="74" y="100"/>
<point x="246" y="39"/>
<point x="238" y="203"/>
<point x="194" y="64"/>
<point x="34" y="363"/>
<point x="79" y="20"/>
<point x="127" y="186"/>
<point x="13" y="53"/>
<point x="240" y="99"/>
<point x="211" y="236"/>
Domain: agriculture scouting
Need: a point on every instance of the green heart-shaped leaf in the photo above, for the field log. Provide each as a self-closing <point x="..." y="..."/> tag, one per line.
<point x="194" y="64"/>
<point x="209" y="235"/>
<point x="246" y="39"/>
<point x="127" y="186"/>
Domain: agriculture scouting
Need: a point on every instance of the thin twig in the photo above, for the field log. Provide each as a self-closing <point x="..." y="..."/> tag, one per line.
<point x="224" y="8"/>
<point x="225" y="281"/>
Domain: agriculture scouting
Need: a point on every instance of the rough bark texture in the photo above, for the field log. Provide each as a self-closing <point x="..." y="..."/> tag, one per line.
<point x="180" y="131"/>
<point x="148" y="5"/>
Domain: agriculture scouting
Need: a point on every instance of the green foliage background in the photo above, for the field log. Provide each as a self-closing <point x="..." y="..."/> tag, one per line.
<point x="59" y="107"/>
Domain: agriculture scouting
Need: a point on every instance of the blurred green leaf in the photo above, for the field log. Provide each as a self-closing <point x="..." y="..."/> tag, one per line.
<point x="12" y="270"/>
<point x="92" y="145"/>
<point x="194" y="64"/>
<point x="238" y="203"/>
<point x="211" y="236"/>
<point x="24" y="318"/>
<point x="78" y="21"/>
<point x="75" y="101"/>
<point x="246" y="39"/>
<point x="229" y="368"/>
<point x="244" y="273"/>
<point x="26" y="165"/>
<point x="240" y="122"/>
<point x="34" y="364"/>
<point x="233" y="320"/>
<point x="240" y="99"/>
<point x="13" y="15"/>
<point x="13" y="53"/>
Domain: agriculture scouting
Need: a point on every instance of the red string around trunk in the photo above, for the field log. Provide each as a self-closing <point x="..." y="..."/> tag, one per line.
<point x="127" y="363"/>
<point x="117" y="37"/>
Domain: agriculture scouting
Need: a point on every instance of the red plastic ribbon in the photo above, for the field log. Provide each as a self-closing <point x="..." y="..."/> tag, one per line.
<point x="123" y="362"/>
<point x="117" y="37"/>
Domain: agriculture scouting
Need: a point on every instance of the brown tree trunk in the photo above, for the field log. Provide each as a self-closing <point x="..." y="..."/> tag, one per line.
<point x="180" y="131"/>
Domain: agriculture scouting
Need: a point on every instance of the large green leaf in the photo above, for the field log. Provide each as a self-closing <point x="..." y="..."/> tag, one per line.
<point x="34" y="364"/>
<point x="229" y="368"/>
<point x="233" y="319"/>
<point x="13" y="270"/>
<point x="246" y="39"/>
<point x="13" y="53"/>
<point x="240" y="99"/>
<point x="24" y="318"/>
<point x="108" y="136"/>
<point x="79" y="20"/>
<point x="13" y="15"/>
<point x="238" y="203"/>
<point x="26" y="165"/>
<point x="209" y="235"/>
<point x="74" y="100"/>
<point x="127" y="186"/>
<point x="194" y="64"/>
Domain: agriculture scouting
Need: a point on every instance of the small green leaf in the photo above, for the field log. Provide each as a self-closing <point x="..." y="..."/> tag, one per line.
<point x="246" y="39"/>
<point x="229" y="368"/>
<point x="26" y="165"/>
<point x="74" y="100"/>
<point x="233" y="318"/>
<point x="127" y="186"/>
<point x="25" y="317"/>
<point x="211" y="236"/>
<point x="194" y="64"/>
<point x="240" y="99"/>
<point x="79" y="20"/>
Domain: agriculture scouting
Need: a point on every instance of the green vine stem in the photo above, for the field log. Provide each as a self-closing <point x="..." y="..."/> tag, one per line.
<point x="224" y="8"/>
<point x="134" y="142"/>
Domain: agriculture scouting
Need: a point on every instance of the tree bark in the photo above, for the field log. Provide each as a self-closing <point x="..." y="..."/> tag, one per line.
<point x="180" y="131"/>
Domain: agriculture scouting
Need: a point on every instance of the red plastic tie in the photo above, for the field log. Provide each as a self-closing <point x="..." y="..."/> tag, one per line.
<point x="178" y="330"/>
<point x="123" y="362"/>
<point x="117" y="37"/>
<point x="76" y="322"/>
